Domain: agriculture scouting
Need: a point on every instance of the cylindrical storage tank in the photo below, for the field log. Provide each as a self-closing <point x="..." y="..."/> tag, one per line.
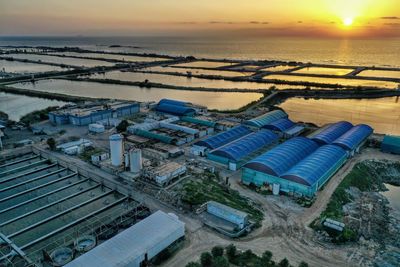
<point x="117" y="149"/>
<point x="135" y="159"/>
<point x="276" y="189"/>
<point x="126" y="158"/>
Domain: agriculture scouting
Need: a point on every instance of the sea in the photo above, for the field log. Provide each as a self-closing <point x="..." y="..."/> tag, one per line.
<point x="382" y="114"/>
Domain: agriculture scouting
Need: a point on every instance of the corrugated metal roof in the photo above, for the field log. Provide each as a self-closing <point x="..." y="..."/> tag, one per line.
<point x="391" y="144"/>
<point x="246" y="145"/>
<point x="132" y="243"/>
<point x="267" y="118"/>
<point x="281" y="158"/>
<point x="221" y="206"/>
<point x="311" y="169"/>
<point x="332" y="132"/>
<point x="175" y="109"/>
<point x="280" y="125"/>
<point x="172" y="102"/>
<point x="162" y="138"/>
<point x="198" y="121"/>
<point x="354" y="137"/>
<point x="221" y="139"/>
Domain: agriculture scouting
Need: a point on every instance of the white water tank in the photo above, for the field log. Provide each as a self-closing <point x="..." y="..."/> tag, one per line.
<point x="135" y="160"/>
<point x="117" y="149"/>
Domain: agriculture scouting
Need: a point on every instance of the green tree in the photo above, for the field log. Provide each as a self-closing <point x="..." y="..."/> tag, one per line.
<point x="221" y="262"/>
<point x="193" y="264"/>
<point x="248" y="254"/>
<point x="217" y="251"/>
<point x="303" y="264"/>
<point x="206" y="259"/>
<point x="51" y="143"/>
<point x="284" y="263"/>
<point x="121" y="127"/>
<point x="230" y="251"/>
<point x="266" y="258"/>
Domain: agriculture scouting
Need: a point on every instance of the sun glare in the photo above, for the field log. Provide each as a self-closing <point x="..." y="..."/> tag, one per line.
<point x="348" y="21"/>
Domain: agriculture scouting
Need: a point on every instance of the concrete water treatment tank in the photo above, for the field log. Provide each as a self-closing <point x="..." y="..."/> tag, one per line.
<point x="117" y="149"/>
<point x="135" y="159"/>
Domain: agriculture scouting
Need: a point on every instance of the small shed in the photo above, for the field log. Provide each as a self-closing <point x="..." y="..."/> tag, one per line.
<point x="391" y="144"/>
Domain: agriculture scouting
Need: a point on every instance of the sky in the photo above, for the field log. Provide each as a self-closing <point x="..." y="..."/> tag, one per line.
<point x="307" y="18"/>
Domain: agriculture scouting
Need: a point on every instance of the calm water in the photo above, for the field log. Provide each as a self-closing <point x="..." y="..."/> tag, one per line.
<point x="348" y="82"/>
<point x="22" y="67"/>
<point x="379" y="52"/>
<point x="63" y="60"/>
<point x="185" y="81"/>
<point x="110" y="56"/>
<point x="17" y="106"/>
<point x="199" y="71"/>
<point x="393" y="195"/>
<point x="213" y="100"/>
<point x="382" y="114"/>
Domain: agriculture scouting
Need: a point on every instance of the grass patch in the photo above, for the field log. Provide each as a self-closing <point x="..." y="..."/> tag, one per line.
<point x="203" y="190"/>
<point x="37" y="116"/>
<point x="367" y="176"/>
<point x="86" y="155"/>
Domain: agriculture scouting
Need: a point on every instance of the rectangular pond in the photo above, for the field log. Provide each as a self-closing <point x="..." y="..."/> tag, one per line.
<point x="203" y="64"/>
<point x="111" y="56"/>
<point x="200" y="71"/>
<point x="186" y="81"/>
<point x="17" y="106"/>
<point x="213" y="100"/>
<point x="380" y="73"/>
<point x="383" y="114"/>
<point x="62" y="60"/>
<point x="345" y="82"/>
<point x="324" y="71"/>
<point x="23" y="68"/>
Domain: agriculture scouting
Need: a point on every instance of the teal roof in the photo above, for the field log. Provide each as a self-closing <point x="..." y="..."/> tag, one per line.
<point x="159" y="137"/>
<point x="391" y="144"/>
<point x="267" y="118"/>
<point x="198" y="121"/>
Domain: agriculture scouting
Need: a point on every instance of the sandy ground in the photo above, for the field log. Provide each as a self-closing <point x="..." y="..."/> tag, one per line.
<point x="284" y="230"/>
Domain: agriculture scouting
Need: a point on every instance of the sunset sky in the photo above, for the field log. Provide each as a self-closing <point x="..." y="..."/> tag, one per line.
<point x="316" y="18"/>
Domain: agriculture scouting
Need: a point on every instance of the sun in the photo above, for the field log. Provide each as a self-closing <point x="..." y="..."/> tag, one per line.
<point x="348" y="22"/>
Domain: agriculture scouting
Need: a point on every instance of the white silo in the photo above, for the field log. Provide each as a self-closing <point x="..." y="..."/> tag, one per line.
<point x="117" y="149"/>
<point x="135" y="159"/>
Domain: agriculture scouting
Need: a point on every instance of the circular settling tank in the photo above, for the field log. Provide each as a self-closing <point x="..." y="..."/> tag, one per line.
<point x="61" y="256"/>
<point x="85" y="243"/>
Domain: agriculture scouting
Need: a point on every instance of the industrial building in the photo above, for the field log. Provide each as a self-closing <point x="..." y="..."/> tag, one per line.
<point x="92" y="113"/>
<point x="165" y="173"/>
<point x="219" y="140"/>
<point x="266" y="118"/>
<point x="227" y="213"/>
<point x="173" y="130"/>
<point x="46" y="208"/>
<point x="175" y="107"/>
<point x="303" y="165"/>
<point x="391" y="144"/>
<point x="285" y="128"/>
<point x="74" y="147"/>
<point x="136" y="245"/>
<point x="238" y="152"/>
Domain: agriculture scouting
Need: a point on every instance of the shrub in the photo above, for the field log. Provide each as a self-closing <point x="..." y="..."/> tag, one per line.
<point x="51" y="143"/>
<point x="221" y="262"/>
<point x="193" y="264"/>
<point x="206" y="259"/>
<point x="230" y="251"/>
<point x="217" y="251"/>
